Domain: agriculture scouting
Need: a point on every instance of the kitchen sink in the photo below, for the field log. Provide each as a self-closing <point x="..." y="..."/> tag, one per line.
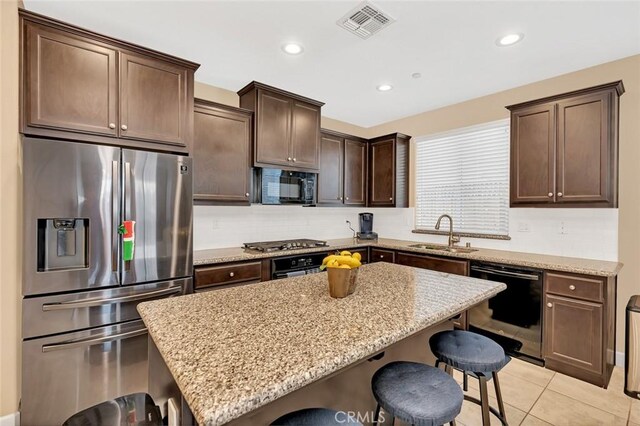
<point x="442" y="247"/>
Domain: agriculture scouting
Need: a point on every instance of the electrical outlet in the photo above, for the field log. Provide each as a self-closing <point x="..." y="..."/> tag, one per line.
<point x="562" y="229"/>
<point x="524" y="227"/>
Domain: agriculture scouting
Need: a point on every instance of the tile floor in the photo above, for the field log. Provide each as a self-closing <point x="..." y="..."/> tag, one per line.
<point x="535" y="396"/>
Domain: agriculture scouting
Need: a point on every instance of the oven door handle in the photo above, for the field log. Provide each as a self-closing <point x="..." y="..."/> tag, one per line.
<point x="93" y="340"/>
<point x="506" y="273"/>
<point x="98" y="301"/>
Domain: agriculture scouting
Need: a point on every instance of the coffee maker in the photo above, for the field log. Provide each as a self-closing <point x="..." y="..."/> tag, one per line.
<point x="366" y="227"/>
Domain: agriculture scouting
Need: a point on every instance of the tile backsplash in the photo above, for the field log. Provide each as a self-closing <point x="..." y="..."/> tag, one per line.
<point x="587" y="233"/>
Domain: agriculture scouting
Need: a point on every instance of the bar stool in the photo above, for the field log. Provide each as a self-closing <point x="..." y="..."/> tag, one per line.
<point x="416" y="393"/>
<point x="316" y="417"/>
<point x="476" y="356"/>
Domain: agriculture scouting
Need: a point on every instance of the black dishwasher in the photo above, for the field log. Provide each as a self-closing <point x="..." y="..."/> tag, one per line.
<point x="512" y="317"/>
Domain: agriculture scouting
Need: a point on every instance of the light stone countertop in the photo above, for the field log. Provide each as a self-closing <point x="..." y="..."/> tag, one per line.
<point x="532" y="260"/>
<point x="234" y="350"/>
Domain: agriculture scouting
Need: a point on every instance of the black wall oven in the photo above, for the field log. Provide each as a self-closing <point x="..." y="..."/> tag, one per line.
<point x="275" y="186"/>
<point x="512" y="317"/>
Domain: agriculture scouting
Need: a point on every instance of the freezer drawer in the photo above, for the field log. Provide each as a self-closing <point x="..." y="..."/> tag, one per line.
<point x="63" y="313"/>
<point x="67" y="373"/>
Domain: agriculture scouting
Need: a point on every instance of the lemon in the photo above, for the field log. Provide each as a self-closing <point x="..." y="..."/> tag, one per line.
<point x="345" y="253"/>
<point x="357" y="256"/>
<point x="344" y="267"/>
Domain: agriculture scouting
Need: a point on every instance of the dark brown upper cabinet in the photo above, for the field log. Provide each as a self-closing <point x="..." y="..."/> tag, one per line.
<point x="564" y="149"/>
<point x="389" y="171"/>
<point x="343" y="169"/>
<point x="221" y="153"/>
<point x="79" y="85"/>
<point x="287" y="128"/>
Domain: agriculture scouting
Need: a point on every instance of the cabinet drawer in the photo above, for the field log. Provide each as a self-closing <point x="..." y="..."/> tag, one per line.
<point x="228" y="274"/>
<point x="458" y="267"/>
<point x="578" y="286"/>
<point x="378" y="255"/>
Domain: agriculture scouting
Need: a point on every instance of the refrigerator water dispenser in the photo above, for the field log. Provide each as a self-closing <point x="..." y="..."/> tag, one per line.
<point x="62" y="244"/>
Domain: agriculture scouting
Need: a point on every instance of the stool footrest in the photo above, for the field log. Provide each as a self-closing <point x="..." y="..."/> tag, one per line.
<point x="493" y="410"/>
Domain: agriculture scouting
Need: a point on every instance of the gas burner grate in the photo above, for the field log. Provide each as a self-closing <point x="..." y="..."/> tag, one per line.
<point x="284" y="245"/>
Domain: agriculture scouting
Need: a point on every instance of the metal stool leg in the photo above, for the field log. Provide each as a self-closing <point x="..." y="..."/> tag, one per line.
<point x="496" y="384"/>
<point x="376" y="416"/>
<point x="465" y="381"/>
<point x="484" y="400"/>
<point x="452" y="423"/>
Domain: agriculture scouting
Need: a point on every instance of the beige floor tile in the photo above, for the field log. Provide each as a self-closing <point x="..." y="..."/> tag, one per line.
<point x="517" y="392"/>
<point x="471" y="414"/>
<point x="530" y="372"/>
<point x="612" y="399"/>
<point x="560" y="410"/>
<point x="534" y="421"/>
<point x="635" y="412"/>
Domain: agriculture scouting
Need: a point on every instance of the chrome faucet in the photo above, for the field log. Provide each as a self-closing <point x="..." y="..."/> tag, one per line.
<point x="354" y="231"/>
<point x="452" y="239"/>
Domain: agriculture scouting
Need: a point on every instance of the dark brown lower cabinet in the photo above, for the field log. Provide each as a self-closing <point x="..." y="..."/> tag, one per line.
<point x="230" y="274"/>
<point x="379" y="255"/>
<point x="579" y="326"/>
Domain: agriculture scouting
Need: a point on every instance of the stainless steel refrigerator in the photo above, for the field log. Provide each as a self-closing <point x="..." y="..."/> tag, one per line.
<point x="83" y="340"/>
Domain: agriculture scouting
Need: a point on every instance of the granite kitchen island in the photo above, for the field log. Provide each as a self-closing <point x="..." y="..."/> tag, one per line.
<point x="246" y="354"/>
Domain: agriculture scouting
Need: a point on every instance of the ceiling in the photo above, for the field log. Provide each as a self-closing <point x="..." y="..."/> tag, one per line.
<point x="451" y="43"/>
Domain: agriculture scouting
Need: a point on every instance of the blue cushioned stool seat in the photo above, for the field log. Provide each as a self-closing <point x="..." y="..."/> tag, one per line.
<point x="468" y="351"/>
<point x="316" y="417"/>
<point x="417" y="393"/>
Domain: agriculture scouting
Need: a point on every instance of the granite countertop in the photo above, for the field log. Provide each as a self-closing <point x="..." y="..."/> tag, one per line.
<point x="234" y="350"/>
<point x="532" y="260"/>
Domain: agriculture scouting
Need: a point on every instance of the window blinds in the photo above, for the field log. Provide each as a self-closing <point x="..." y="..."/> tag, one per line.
<point x="465" y="173"/>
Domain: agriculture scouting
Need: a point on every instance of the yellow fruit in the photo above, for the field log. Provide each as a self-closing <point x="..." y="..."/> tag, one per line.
<point x="345" y="253"/>
<point x="344" y="267"/>
<point x="333" y="264"/>
<point x="348" y="260"/>
<point x="357" y="256"/>
<point x="328" y="258"/>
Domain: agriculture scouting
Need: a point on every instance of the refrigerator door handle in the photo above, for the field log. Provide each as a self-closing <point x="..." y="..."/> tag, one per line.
<point x="126" y="265"/>
<point x="97" y="301"/>
<point x="92" y="340"/>
<point x="115" y="214"/>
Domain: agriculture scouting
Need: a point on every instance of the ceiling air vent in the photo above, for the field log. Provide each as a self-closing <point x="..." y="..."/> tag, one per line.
<point x="365" y="20"/>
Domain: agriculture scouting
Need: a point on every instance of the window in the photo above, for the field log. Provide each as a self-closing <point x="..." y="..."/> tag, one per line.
<point x="465" y="173"/>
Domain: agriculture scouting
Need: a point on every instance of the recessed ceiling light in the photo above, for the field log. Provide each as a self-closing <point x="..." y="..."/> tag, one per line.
<point x="384" y="87"/>
<point x="509" y="39"/>
<point x="292" y="48"/>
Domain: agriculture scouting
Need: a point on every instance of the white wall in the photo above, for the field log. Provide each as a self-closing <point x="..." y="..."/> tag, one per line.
<point x="586" y="233"/>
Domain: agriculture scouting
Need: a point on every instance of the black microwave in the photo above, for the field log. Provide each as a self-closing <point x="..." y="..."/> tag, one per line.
<point x="275" y="186"/>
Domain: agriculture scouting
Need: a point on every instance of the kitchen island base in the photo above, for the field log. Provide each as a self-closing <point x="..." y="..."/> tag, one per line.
<point x="348" y="389"/>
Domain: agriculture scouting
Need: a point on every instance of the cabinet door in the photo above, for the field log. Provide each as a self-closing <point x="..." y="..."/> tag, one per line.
<point x="533" y="155"/>
<point x="573" y="333"/>
<point x="221" y="155"/>
<point x="331" y="170"/>
<point x="382" y="166"/>
<point x="70" y="82"/>
<point x="584" y="149"/>
<point x="355" y="173"/>
<point x="273" y="129"/>
<point x="452" y="266"/>
<point x="305" y="135"/>
<point x="154" y="103"/>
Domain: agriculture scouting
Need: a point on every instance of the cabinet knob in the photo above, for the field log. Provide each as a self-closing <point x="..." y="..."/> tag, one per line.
<point x="559" y="194"/>
<point x="246" y="194"/>
<point x="390" y="198"/>
<point x="294" y="159"/>
<point x="347" y="198"/>
<point x="340" y="198"/>
<point x="124" y="127"/>
<point x="382" y="256"/>
<point x="288" y="158"/>
<point x="231" y="274"/>
<point x="550" y="194"/>
<point x="112" y="125"/>
<point x="572" y="287"/>
<point x="549" y="305"/>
